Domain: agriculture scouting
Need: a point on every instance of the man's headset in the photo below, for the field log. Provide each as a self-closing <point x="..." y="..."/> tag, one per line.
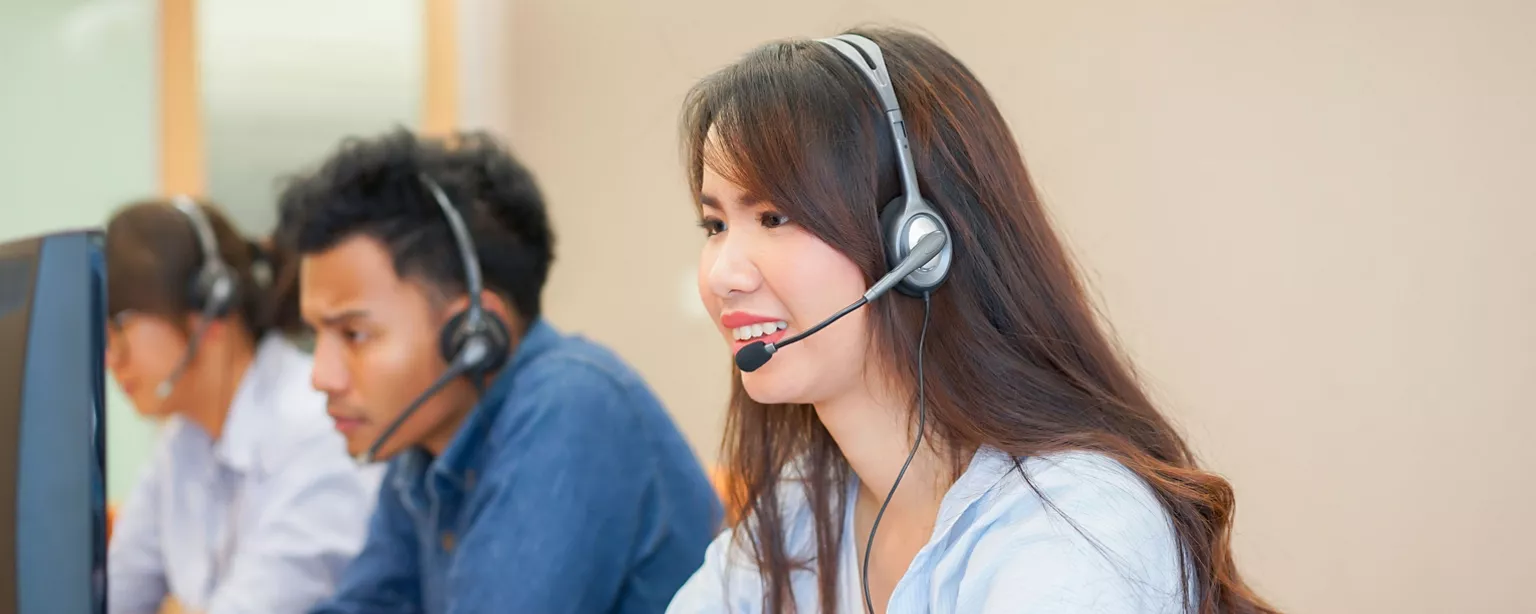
<point x="474" y="342"/>
<point x="212" y="290"/>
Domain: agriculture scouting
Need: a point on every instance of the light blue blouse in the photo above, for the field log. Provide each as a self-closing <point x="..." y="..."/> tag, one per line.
<point x="996" y="547"/>
<point x="261" y="520"/>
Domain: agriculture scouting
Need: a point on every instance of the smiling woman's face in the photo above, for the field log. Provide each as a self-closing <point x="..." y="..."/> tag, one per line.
<point x="762" y="277"/>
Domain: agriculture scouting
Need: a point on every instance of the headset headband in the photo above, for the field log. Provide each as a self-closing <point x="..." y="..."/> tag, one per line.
<point x="466" y="247"/>
<point x="202" y="228"/>
<point x="870" y="62"/>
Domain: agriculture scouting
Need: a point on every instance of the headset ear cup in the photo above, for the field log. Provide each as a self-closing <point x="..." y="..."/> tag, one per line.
<point x="891" y="218"/>
<point x="452" y="337"/>
<point x="229" y="298"/>
<point x="214" y="291"/>
<point x="896" y="221"/>
<point x="455" y="335"/>
<point x="500" y="340"/>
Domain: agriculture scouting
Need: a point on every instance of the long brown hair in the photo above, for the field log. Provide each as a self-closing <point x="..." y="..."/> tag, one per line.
<point x="1016" y="358"/>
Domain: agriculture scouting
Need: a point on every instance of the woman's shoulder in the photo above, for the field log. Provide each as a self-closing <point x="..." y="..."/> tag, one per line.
<point x="729" y="578"/>
<point x="281" y="375"/>
<point x="1091" y="481"/>
<point x="1073" y="528"/>
<point x="289" y="414"/>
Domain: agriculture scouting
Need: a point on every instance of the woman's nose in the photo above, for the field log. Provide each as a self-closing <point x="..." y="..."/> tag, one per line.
<point x="733" y="271"/>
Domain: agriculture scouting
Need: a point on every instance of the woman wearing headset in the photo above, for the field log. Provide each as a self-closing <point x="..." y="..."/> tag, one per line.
<point x="971" y="443"/>
<point x="250" y="502"/>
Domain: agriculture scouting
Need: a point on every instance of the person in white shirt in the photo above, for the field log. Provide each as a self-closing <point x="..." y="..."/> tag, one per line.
<point x="970" y="442"/>
<point x="249" y="502"/>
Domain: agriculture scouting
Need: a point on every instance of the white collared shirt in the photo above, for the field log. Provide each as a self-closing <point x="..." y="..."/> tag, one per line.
<point x="261" y="520"/>
<point x="996" y="547"/>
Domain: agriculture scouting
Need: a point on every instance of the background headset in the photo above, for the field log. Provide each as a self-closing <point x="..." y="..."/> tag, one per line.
<point x="909" y="227"/>
<point x="474" y="342"/>
<point x="211" y="291"/>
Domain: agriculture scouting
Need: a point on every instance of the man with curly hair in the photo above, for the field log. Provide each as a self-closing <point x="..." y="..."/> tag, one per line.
<point x="552" y="482"/>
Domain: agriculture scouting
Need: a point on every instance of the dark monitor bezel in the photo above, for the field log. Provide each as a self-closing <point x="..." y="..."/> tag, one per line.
<point x="52" y="435"/>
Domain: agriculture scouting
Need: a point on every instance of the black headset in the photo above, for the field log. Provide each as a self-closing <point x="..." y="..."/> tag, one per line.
<point x="909" y="217"/>
<point x="474" y="340"/>
<point x="213" y="288"/>
<point x="212" y="291"/>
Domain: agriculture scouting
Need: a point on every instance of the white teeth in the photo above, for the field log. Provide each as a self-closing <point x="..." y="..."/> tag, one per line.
<point x="743" y="333"/>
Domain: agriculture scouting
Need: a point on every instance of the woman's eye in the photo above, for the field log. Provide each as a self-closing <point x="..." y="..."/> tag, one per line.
<point x="712" y="226"/>
<point x="773" y="220"/>
<point x="354" y="336"/>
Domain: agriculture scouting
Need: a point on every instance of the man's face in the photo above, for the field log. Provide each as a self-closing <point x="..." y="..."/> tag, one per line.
<point x="376" y="349"/>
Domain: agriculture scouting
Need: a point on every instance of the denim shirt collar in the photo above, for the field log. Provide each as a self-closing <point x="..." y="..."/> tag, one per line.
<point x="456" y="464"/>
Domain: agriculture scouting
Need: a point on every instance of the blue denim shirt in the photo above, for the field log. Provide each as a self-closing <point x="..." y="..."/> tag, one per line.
<point x="568" y="489"/>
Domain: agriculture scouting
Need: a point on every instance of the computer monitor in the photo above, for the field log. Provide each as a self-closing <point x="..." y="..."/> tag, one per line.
<point x="52" y="422"/>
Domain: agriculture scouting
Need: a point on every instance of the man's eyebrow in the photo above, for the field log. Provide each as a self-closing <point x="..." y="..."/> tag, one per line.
<point x="338" y="319"/>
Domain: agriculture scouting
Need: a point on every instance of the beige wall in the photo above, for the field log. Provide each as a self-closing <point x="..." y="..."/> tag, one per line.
<point x="1310" y="222"/>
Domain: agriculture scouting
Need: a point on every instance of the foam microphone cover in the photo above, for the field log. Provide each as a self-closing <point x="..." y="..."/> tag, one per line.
<point x="753" y="356"/>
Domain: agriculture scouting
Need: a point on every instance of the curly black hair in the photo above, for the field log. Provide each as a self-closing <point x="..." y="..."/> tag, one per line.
<point x="371" y="187"/>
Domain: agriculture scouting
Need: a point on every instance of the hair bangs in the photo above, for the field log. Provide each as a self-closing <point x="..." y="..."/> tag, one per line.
<point x="784" y="126"/>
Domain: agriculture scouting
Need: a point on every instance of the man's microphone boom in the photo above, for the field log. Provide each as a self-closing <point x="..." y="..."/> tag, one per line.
<point x="455" y="370"/>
